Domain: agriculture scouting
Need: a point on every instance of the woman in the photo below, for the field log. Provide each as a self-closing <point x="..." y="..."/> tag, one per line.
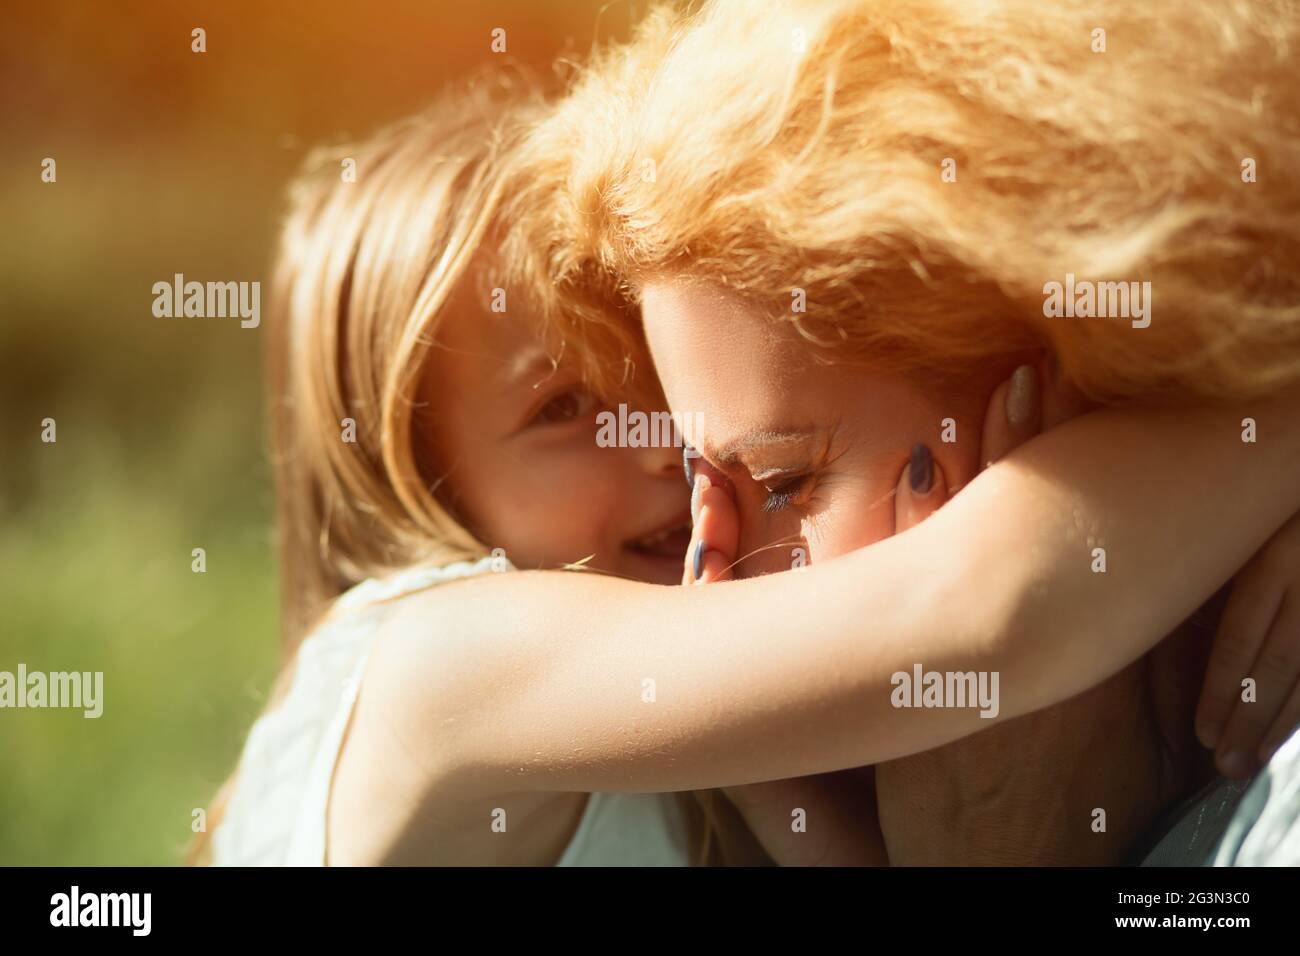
<point x="841" y="221"/>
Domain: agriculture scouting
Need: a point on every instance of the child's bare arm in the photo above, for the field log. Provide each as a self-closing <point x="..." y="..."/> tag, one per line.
<point x="831" y="819"/>
<point x="554" y="681"/>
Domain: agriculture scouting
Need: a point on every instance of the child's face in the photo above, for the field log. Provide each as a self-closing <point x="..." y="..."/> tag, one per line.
<point x="514" y="439"/>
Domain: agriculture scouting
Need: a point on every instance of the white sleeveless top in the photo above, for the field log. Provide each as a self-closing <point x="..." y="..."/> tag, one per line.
<point x="276" y="816"/>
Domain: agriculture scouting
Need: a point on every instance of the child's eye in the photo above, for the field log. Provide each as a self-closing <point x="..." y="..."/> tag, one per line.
<point x="565" y="407"/>
<point x="784" y="494"/>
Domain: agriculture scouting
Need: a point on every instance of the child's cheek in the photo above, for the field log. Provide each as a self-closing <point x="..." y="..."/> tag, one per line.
<point x="585" y="495"/>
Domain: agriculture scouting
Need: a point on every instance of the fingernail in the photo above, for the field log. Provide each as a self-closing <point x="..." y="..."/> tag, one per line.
<point x="687" y="454"/>
<point x="1022" y="396"/>
<point x="697" y="563"/>
<point x="701" y="485"/>
<point x="1234" y="763"/>
<point x="920" y="471"/>
<point x="1208" y="734"/>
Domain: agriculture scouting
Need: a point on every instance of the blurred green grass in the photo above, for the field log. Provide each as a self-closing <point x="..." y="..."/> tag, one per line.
<point x="99" y="578"/>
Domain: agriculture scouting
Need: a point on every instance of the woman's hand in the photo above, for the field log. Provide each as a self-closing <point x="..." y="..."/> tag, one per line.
<point x="831" y="819"/>
<point x="823" y="820"/>
<point x="1020" y="792"/>
<point x="828" y="819"/>
<point x="1250" y="702"/>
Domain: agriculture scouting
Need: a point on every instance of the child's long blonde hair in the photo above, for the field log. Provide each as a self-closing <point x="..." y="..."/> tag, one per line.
<point x="379" y="237"/>
<point x="917" y="170"/>
<point x="365" y="269"/>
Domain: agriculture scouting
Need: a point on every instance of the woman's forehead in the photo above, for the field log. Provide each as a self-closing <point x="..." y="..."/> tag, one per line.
<point x="695" y="325"/>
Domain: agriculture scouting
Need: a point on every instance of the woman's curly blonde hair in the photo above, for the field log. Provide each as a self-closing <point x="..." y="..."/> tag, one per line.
<point x="774" y="148"/>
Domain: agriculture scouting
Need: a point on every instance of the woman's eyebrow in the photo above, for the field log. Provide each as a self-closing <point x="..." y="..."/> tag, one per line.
<point x="733" y="451"/>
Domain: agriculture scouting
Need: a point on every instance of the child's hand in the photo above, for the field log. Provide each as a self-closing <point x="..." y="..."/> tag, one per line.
<point x="1258" y="640"/>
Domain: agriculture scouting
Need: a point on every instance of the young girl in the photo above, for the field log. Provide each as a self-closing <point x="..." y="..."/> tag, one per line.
<point x="382" y="282"/>
<point x="427" y="434"/>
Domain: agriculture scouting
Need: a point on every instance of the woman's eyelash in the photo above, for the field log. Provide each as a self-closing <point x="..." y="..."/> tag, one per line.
<point x="784" y="494"/>
<point x="790" y="488"/>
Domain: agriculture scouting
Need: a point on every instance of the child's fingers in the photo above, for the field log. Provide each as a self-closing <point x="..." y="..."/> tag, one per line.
<point x="1014" y="415"/>
<point x="715" y="534"/>
<point x="1274" y="671"/>
<point x="921" y="490"/>
<point x="1251" y="607"/>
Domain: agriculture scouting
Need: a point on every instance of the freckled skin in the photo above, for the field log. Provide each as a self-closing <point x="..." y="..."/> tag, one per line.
<point x="1022" y="792"/>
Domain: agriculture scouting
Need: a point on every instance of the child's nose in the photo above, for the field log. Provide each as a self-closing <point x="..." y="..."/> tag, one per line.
<point x="661" y="461"/>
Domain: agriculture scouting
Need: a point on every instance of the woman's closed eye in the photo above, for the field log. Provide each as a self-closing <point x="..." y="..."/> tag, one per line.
<point x="784" y="492"/>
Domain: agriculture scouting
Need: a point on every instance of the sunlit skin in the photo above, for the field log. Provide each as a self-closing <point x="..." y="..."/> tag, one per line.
<point x="773" y="414"/>
<point x="512" y="436"/>
<point x="525" y="690"/>
<point x="813" y="450"/>
<point x="518" y="708"/>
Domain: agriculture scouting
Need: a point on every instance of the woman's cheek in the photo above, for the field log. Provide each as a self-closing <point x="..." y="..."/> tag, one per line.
<point x="767" y="542"/>
<point x="850" y="515"/>
<point x="852" y="518"/>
